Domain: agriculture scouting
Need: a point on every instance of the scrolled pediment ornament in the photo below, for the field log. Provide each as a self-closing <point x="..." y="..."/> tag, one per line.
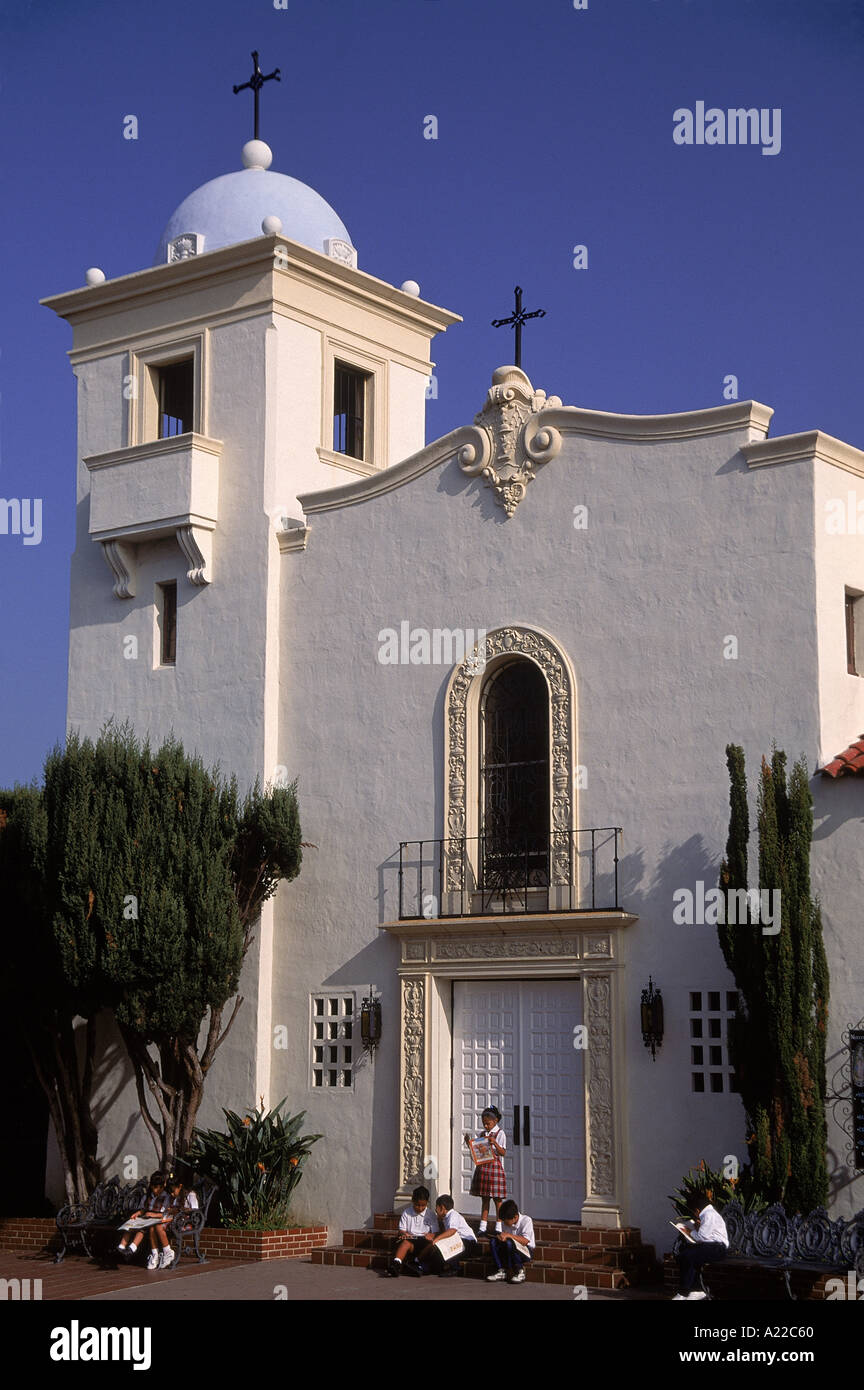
<point x="508" y="440"/>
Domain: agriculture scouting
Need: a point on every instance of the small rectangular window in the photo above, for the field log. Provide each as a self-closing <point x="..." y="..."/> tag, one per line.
<point x="696" y="1056"/>
<point x="698" y="1081"/>
<point x="166" y="622"/>
<point x="716" y="1081"/>
<point x="854" y="615"/>
<point x="175" y="385"/>
<point x="350" y="410"/>
<point x="695" y="1027"/>
<point x="695" y="1001"/>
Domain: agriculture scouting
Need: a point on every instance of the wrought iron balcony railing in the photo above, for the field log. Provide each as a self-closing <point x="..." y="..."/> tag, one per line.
<point x="565" y="871"/>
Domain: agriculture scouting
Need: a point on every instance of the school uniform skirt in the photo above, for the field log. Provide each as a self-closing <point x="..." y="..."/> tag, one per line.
<point x="489" y="1180"/>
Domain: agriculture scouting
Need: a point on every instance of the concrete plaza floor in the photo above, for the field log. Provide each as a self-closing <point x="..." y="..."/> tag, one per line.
<point x="80" y="1279"/>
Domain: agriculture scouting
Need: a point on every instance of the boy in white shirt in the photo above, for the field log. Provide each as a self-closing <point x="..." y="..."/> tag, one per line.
<point x="416" y="1227"/>
<point x="708" y="1230"/>
<point x="451" y="1221"/>
<point x="513" y="1247"/>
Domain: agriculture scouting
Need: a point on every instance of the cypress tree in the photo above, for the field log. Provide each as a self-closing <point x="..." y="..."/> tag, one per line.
<point x="777" y="1040"/>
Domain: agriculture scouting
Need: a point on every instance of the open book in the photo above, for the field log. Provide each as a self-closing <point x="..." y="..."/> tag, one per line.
<point x="451" y="1245"/>
<point x="682" y="1230"/>
<point x="140" y="1223"/>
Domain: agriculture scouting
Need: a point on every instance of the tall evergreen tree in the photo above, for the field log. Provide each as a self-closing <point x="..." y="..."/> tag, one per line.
<point x="777" y="1040"/>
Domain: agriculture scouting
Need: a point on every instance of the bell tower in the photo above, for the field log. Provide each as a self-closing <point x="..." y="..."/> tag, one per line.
<point x="254" y="361"/>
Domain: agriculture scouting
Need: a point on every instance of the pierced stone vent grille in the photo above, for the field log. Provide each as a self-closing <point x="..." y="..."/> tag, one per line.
<point x="332" y="1040"/>
<point x="711" y="1012"/>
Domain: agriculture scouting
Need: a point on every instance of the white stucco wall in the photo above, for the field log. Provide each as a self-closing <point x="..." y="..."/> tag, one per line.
<point x="685" y="547"/>
<point x="839" y="543"/>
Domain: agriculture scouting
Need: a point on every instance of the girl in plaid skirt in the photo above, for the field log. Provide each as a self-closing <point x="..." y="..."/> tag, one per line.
<point x="489" y="1181"/>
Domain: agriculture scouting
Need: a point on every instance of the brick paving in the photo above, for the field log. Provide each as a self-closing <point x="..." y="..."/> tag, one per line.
<point x="79" y="1277"/>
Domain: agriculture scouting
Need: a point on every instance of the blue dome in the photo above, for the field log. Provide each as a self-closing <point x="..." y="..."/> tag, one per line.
<point x="232" y="208"/>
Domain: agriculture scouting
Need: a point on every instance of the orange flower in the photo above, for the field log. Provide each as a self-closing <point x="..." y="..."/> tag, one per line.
<point x="248" y="1120"/>
<point x="294" y="1162"/>
<point x="262" y="1168"/>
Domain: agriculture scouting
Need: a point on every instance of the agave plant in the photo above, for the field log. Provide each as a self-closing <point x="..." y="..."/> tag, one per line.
<point x="718" y="1188"/>
<point x="257" y="1163"/>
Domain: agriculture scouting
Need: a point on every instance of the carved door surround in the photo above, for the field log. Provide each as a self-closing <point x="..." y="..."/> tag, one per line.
<point x="433" y="954"/>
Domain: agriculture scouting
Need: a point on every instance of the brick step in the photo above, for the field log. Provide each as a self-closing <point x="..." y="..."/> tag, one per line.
<point x="539" y="1271"/>
<point x="549" y="1252"/>
<point x="548" y="1232"/>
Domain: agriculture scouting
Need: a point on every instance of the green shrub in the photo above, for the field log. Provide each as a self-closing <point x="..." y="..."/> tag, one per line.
<point x="719" y="1189"/>
<point x="257" y="1164"/>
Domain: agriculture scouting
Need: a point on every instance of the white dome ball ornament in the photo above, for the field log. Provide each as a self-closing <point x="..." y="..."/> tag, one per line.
<point x="271" y="226"/>
<point x="257" y="155"/>
<point x="410" y="287"/>
<point x="94" y="276"/>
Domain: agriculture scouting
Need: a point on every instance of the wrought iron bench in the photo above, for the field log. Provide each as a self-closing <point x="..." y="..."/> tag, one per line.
<point x="772" y="1239"/>
<point x="108" y="1205"/>
<point x="188" y="1225"/>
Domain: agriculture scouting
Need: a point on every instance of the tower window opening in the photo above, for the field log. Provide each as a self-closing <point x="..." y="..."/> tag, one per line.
<point x="176" y="393"/>
<point x="349" y="410"/>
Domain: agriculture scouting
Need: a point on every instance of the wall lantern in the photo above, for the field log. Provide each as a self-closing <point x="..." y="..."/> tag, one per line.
<point x="370" y="1021"/>
<point x="652" y="1018"/>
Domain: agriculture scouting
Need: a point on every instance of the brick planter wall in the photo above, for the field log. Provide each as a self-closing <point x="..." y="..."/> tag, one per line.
<point x="24" y="1233"/>
<point x="28" y="1233"/>
<point x="262" y="1245"/>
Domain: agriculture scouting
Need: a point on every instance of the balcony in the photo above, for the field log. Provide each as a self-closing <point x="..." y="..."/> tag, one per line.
<point x="568" y="871"/>
<point x="169" y="487"/>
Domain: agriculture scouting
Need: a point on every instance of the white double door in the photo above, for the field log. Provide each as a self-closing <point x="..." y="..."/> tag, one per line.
<point x="515" y="1045"/>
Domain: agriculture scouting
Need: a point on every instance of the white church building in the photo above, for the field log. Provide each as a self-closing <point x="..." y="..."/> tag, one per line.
<point x="503" y="666"/>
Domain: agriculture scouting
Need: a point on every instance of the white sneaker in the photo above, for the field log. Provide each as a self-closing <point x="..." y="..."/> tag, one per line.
<point x="497" y="1276"/>
<point x="696" y="1294"/>
<point x="518" y="1278"/>
<point x="167" y="1257"/>
<point x="153" y="1259"/>
<point x="680" y="1298"/>
<point x="122" y="1248"/>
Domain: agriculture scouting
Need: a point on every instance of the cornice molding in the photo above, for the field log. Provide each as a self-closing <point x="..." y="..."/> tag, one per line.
<point x="513" y="924"/>
<point x="804" y="448"/>
<point x="167" y="281"/>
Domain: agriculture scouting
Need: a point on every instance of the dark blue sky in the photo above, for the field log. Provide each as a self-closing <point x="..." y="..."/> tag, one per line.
<point x="554" y="130"/>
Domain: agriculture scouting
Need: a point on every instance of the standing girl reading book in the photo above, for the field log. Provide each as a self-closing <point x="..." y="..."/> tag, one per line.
<point x="489" y="1182"/>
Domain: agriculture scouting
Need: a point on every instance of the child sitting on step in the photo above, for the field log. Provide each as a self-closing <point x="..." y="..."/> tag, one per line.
<point x="513" y="1247"/>
<point x="452" y="1223"/>
<point x="416" y="1226"/>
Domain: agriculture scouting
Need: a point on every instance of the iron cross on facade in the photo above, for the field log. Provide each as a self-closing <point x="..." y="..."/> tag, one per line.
<point x="256" y="82"/>
<point x="517" y="318"/>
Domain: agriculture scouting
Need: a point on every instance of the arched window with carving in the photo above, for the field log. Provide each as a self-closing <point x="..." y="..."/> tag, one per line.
<point x="514" y="783"/>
